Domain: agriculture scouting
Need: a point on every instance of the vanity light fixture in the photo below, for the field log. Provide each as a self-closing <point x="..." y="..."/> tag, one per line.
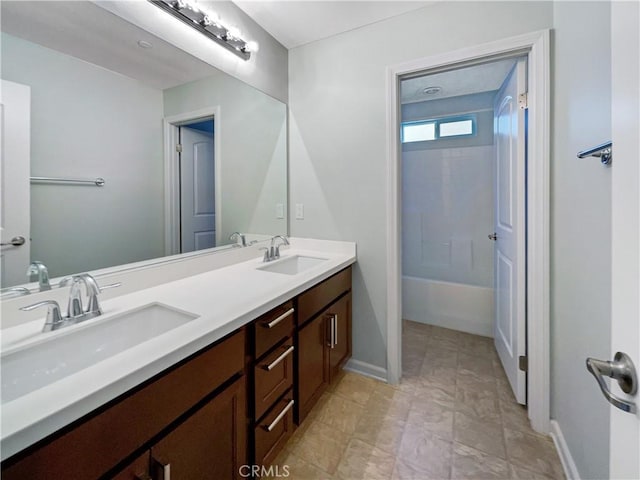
<point x="208" y="23"/>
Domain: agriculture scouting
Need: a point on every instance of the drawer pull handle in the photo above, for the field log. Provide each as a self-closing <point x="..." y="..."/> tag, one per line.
<point x="273" y="323"/>
<point x="275" y="422"/>
<point x="161" y="469"/>
<point x="332" y="319"/>
<point x="284" y="355"/>
<point x="335" y="330"/>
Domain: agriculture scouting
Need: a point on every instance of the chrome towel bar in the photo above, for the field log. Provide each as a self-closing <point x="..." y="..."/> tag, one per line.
<point x="97" y="182"/>
<point x="604" y="151"/>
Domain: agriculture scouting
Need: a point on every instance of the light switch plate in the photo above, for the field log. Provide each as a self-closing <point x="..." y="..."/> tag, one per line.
<point x="279" y="210"/>
<point x="299" y="211"/>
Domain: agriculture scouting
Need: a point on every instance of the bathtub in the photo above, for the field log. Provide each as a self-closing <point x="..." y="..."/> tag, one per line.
<point x="466" y="308"/>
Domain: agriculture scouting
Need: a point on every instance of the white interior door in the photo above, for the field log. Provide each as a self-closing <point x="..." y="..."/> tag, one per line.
<point x="625" y="175"/>
<point x="15" y="118"/>
<point x="197" y="190"/>
<point x="509" y="259"/>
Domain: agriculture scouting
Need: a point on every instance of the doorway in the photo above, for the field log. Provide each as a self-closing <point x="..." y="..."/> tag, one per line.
<point x="535" y="47"/>
<point x="192" y="181"/>
<point x="197" y="185"/>
<point x="463" y="213"/>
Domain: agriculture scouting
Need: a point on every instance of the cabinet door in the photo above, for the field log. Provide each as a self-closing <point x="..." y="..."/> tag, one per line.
<point x="313" y="364"/>
<point x="136" y="470"/>
<point x="340" y="350"/>
<point x="211" y="444"/>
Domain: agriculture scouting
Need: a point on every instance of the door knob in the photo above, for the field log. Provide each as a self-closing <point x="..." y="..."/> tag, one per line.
<point x="622" y="370"/>
<point x="15" y="242"/>
<point x="493" y="236"/>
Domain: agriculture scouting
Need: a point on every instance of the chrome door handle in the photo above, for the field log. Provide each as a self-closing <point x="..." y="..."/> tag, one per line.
<point x="15" y="242"/>
<point x="622" y="370"/>
<point x="493" y="236"/>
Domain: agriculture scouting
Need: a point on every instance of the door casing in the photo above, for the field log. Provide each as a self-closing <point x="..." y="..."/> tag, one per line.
<point x="624" y="461"/>
<point x="171" y="131"/>
<point x="536" y="47"/>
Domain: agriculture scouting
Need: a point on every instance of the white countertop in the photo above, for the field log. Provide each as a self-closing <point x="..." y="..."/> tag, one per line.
<point x="224" y="299"/>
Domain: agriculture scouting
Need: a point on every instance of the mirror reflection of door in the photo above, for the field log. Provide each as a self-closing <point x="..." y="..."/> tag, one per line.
<point x="197" y="186"/>
<point x="15" y="158"/>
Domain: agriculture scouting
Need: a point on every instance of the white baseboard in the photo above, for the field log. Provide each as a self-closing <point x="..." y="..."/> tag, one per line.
<point x="570" y="469"/>
<point x="366" y="369"/>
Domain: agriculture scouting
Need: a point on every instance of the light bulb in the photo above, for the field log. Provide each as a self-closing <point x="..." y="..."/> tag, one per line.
<point x="211" y="18"/>
<point x="234" y="32"/>
<point x="193" y="5"/>
<point x="252" y="46"/>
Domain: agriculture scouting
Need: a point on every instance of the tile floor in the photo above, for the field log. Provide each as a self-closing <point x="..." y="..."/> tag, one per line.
<point x="452" y="417"/>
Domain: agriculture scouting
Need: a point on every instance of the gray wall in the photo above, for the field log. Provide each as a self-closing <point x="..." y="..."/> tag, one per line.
<point x="253" y="158"/>
<point x="580" y="229"/>
<point x="87" y="121"/>
<point x="338" y="170"/>
<point x="337" y="97"/>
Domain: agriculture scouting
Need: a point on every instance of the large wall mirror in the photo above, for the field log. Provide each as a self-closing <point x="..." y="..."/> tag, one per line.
<point x="188" y="154"/>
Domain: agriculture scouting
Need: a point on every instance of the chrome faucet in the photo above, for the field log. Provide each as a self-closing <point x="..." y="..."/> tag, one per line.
<point x="273" y="252"/>
<point x="14" y="292"/>
<point x="75" y="312"/>
<point x="239" y="236"/>
<point x="39" y="269"/>
<point x="54" y="318"/>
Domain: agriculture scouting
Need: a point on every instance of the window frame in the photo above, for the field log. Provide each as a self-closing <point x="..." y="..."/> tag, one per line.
<point x="440" y="120"/>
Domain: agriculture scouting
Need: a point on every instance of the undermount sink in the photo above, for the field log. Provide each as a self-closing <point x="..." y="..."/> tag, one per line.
<point x="292" y="265"/>
<point x="35" y="366"/>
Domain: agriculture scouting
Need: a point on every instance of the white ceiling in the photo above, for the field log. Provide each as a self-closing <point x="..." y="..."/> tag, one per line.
<point x="294" y="23"/>
<point x="463" y="81"/>
<point x="86" y="31"/>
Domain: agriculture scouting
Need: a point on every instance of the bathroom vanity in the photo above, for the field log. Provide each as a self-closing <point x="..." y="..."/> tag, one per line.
<point x="223" y="389"/>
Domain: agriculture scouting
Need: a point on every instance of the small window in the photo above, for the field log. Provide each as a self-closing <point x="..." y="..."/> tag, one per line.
<point x="453" y="129"/>
<point x="418" y="131"/>
<point x="428" y="130"/>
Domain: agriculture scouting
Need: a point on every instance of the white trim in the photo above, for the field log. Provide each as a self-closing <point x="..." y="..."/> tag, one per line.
<point x="171" y="177"/>
<point x="536" y="46"/>
<point x="569" y="466"/>
<point x="366" y="369"/>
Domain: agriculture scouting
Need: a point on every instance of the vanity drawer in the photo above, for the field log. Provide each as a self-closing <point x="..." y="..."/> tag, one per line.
<point x="317" y="298"/>
<point x="273" y="377"/>
<point x="273" y="327"/>
<point x="101" y="440"/>
<point x="273" y="432"/>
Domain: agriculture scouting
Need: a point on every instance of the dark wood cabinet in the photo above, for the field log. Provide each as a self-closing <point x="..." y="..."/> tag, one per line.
<point x="324" y="341"/>
<point x="340" y="347"/>
<point x="273" y="431"/>
<point x="313" y="360"/>
<point x="136" y="470"/>
<point x="100" y="442"/>
<point x="273" y="366"/>
<point x="210" y="444"/>
<point x="234" y="403"/>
